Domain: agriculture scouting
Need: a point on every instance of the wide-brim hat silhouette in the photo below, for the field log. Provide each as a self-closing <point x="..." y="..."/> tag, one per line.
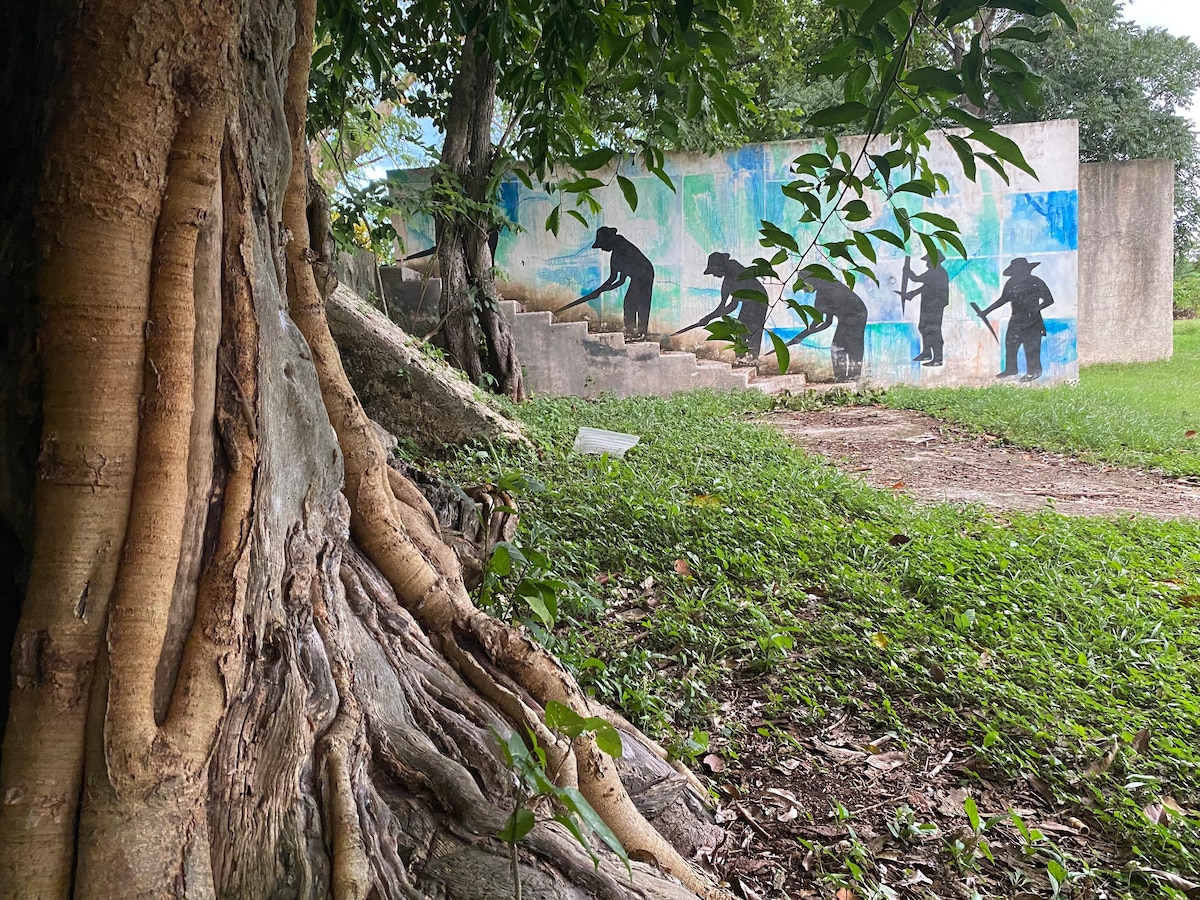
<point x="716" y="263"/>
<point x="1021" y="266"/>
<point x="603" y="233"/>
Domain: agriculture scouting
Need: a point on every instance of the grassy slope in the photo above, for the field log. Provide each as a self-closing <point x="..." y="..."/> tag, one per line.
<point x="1136" y="414"/>
<point x="1036" y="639"/>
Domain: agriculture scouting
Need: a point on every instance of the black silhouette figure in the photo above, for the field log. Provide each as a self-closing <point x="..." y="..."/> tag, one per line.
<point x="1028" y="295"/>
<point x="627" y="263"/>
<point x="935" y="297"/>
<point x="751" y="313"/>
<point x="836" y="301"/>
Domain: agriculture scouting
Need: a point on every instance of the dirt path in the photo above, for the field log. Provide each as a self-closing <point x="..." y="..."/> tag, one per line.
<point x="930" y="460"/>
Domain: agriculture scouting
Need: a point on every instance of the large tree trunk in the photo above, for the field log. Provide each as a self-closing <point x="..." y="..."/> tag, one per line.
<point x="246" y="664"/>
<point x="477" y="336"/>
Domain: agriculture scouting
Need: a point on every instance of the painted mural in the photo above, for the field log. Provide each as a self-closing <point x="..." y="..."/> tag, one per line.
<point x="661" y="272"/>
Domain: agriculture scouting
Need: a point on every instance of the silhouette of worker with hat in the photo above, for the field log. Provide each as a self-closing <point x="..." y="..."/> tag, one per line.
<point x="1028" y="296"/>
<point x="627" y="263"/>
<point x="751" y="313"/>
<point x="833" y="300"/>
<point x="935" y="297"/>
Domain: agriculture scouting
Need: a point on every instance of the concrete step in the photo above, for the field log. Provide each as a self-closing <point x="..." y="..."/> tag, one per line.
<point x="721" y="376"/>
<point x="566" y="329"/>
<point x="610" y="338"/>
<point x="778" y="384"/>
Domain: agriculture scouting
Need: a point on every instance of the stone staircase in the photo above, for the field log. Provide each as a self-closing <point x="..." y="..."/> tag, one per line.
<point x="561" y="359"/>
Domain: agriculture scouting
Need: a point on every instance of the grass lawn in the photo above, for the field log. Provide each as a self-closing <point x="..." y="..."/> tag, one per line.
<point x="1138" y="414"/>
<point x="720" y="569"/>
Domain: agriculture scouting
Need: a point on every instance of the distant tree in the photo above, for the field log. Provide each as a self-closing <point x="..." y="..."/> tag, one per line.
<point x="1127" y="86"/>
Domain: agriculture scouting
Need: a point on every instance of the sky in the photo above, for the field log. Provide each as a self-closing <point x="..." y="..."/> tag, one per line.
<point x="1179" y="17"/>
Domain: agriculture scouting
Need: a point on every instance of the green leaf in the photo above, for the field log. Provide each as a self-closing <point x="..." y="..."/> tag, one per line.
<point x="840" y="114"/>
<point x="774" y="236"/>
<point x="936" y="220"/>
<point x="571" y="823"/>
<point x="575" y="801"/>
<point x="931" y="78"/>
<point x="560" y="717"/>
<point x="542" y="603"/>
<point x="972" y="74"/>
<point x="966" y="156"/>
<point x="875" y="13"/>
<point x="576" y="215"/>
<point x="782" y="353"/>
<point x="749" y="294"/>
<point x="916" y="186"/>
<point x="961" y="117"/>
<point x="552" y="220"/>
<point x="694" y="97"/>
<point x="608" y="739"/>
<point x="596" y="159"/>
<point x="501" y="561"/>
<point x="519" y="824"/>
<point x="856" y="211"/>
<point x="949" y="237"/>
<point x="815" y="160"/>
<point x="882" y="234"/>
<point x="580" y="185"/>
<point x="1005" y="148"/>
<point x="629" y="190"/>
<point x="972" y="812"/>
<point x="1060" y="9"/>
<point x="1022" y="33"/>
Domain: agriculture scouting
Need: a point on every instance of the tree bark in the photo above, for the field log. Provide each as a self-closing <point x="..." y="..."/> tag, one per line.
<point x="475" y="332"/>
<point x="246" y="663"/>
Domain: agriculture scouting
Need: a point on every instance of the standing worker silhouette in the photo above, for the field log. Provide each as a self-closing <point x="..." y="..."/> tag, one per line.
<point x="935" y="297"/>
<point x="1028" y="295"/>
<point x="627" y="263"/>
<point x="833" y="300"/>
<point x="751" y="313"/>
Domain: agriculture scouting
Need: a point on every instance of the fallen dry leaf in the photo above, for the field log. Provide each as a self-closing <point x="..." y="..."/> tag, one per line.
<point x="1103" y="764"/>
<point x="898" y="486"/>
<point x="1157" y="814"/>
<point x="714" y="763"/>
<point x="885" y="762"/>
<point x="845" y="894"/>
<point x="880" y="640"/>
<point x="1141" y="741"/>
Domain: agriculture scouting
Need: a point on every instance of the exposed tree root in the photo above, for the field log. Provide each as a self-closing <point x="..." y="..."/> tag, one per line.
<point x="428" y="583"/>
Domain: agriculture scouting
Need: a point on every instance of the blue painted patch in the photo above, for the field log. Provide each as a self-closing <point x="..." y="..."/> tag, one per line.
<point x="1041" y="223"/>
<point x="510" y="198"/>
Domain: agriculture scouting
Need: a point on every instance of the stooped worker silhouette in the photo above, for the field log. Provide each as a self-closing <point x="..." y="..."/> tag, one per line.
<point x="627" y="263"/>
<point x="751" y="313"/>
<point x="935" y="297"/>
<point x="1028" y="295"/>
<point x="833" y="300"/>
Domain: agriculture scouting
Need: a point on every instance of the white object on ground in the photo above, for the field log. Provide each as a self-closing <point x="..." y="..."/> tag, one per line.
<point x="597" y="440"/>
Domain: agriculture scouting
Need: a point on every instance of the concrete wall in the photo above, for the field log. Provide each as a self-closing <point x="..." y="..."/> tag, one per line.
<point x="1126" y="260"/>
<point x="717" y="206"/>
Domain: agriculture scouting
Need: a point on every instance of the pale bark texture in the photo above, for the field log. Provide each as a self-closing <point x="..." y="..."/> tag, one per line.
<point x="246" y="663"/>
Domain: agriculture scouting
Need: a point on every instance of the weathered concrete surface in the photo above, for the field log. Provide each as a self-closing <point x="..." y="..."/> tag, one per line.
<point x="1126" y="212"/>
<point x="410" y="394"/>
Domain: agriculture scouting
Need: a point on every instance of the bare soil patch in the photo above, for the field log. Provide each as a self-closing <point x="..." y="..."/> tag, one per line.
<point x="929" y="460"/>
